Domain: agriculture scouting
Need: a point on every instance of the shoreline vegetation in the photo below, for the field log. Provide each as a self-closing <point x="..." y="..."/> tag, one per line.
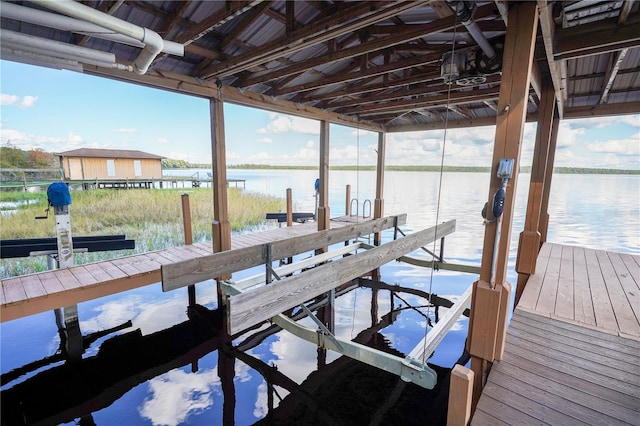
<point x="524" y="169"/>
<point x="153" y="218"/>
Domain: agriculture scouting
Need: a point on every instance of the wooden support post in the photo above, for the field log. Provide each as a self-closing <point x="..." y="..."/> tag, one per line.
<point x="186" y="220"/>
<point x="529" y="242"/>
<point x="544" y="216"/>
<point x="485" y="311"/>
<point x="219" y="176"/>
<point x="289" y="208"/>
<point x="460" y="396"/>
<point x="323" y="191"/>
<point x="221" y="226"/>
<point x="378" y="209"/>
<point x="490" y="302"/>
<point x="188" y="240"/>
<point x="480" y="368"/>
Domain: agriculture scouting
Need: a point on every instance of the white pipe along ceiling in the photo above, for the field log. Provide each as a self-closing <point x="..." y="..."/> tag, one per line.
<point x="83" y="20"/>
<point x="66" y="23"/>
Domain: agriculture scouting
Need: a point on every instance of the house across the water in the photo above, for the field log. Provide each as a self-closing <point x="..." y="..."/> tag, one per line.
<point x="111" y="168"/>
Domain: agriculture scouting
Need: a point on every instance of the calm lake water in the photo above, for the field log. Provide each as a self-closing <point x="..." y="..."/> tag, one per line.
<point x="170" y="365"/>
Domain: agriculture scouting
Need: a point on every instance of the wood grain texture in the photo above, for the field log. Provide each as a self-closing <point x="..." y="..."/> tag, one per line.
<point x="34" y="293"/>
<point x="555" y="372"/>
<point x="191" y="271"/>
<point x="258" y="305"/>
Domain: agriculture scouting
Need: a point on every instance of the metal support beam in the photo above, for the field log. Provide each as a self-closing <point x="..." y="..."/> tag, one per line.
<point x="246" y="310"/>
<point x="410" y="369"/>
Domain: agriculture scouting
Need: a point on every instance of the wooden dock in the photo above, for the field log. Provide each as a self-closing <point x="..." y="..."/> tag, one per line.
<point x="31" y="294"/>
<point x="572" y="353"/>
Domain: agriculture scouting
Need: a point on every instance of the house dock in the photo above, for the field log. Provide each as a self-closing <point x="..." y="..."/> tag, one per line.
<point x="30" y="294"/>
<point x="572" y="352"/>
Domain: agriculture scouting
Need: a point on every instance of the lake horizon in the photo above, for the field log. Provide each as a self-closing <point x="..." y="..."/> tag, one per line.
<point x="596" y="211"/>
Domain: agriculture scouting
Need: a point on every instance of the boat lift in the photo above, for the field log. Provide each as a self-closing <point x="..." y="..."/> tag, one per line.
<point x="263" y="297"/>
<point x="60" y="254"/>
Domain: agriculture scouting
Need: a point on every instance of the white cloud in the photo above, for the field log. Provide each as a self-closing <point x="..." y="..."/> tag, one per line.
<point x="361" y="132"/>
<point x="24" y="103"/>
<point x="284" y="124"/>
<point x="629" y="146"/>
<point x="344" y="156"/>
<point x="262" y="156"/>
<point x="26" y="141"/>
<point x="233" y="157"/>
<point x="8" y="99"/>
<point x="162" y="141"/>
<point x="265" y="140"/>
<point x="604" y="122"/>
<point x="175" y="395"/>
<point x="261" y="406"/>
<point x="28" y="102"/>
<point x="631" y="120"/>
<point x="304" y="156"/>
<point x="568" y="135"/>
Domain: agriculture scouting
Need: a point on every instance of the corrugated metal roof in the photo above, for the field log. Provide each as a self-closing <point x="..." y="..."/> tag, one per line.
<point x="270" y="47"/>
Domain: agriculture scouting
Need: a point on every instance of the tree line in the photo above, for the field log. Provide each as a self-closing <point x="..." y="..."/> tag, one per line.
<point x="15" y="158"/>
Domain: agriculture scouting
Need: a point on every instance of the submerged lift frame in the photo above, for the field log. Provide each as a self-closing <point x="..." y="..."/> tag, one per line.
<point x="410" y="369"/>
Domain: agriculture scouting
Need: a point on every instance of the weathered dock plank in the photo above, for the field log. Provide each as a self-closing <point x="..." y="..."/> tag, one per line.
<point x="204" y="268"/>
<point x="565" y="306"/>
<point x="14" y="291"/>
<point x="534" y="285"/>
<point x="583" y="308"/>
<point x="623" y="311"/>
<point x="51" y="282"/>
<point x="33" y="286"/>
<point x="629" y="285"/>
<point x="83" y="276"/>
<point x="560" y="368"/>
<point x="549" y="291"/>
<point x="63" y="287"/>
<point x="68" y="280"/>
<point x="561" y="380"/>
<point x="258" y="305"/>
<point x="605" y="317"/>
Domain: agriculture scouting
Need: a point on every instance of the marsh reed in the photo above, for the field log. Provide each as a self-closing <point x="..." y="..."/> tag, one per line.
<point x="153" y="218"/>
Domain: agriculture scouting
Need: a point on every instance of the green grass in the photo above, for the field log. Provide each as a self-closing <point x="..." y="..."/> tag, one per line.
<point x="153" y="218"/>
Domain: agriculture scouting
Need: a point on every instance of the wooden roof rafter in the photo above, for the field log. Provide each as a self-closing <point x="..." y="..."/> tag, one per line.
<point x="458" y="98"/>
<point x="324" y="29"/>
<point x="323" y="56"/>
<point x="602" y="37"/>
<point x="557" y="68"/>
<point x="217" y="19"/>
<point x="616" y="58"/>
<point x="362" y="88"/>
<point x="421" y="90"/>
<point x="351" y="76"/>
<point x="407" y="34"/>
<point x="245" y="21"/>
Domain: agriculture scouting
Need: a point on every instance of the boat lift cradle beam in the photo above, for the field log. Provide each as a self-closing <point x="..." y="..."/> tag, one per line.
<point x="410" y="369"/>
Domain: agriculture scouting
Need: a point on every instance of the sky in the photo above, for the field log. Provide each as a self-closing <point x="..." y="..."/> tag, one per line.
<point x="57" y="111"/>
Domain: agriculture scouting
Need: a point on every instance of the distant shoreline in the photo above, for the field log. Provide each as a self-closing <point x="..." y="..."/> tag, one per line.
<point x="526" y="169"/>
